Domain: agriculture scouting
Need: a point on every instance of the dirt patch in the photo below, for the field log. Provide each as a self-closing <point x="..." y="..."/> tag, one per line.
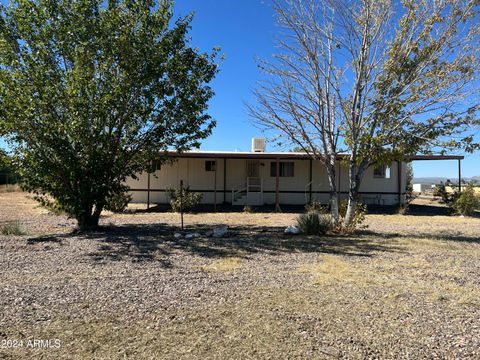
<point x="408" y="286"/>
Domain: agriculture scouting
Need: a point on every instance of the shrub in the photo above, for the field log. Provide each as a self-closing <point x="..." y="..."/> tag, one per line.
<point x="403" y="209"/>
<point x="409" y="194"/>
<point x="247" y="209"/>
<point x="190" y="200"/>
<point x="12" y="228"/>
<point x="448" y="198"/>
<point x="316" y="206"/>
<point x="438" y="190"/>
<point x="467" y="202"/>
<point x="358" y="219"/>
<point x="314" y="223"/>
<point x="118" y="202"/>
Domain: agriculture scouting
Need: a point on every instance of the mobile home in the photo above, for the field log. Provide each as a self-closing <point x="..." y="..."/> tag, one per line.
<point x="265" y="178"/>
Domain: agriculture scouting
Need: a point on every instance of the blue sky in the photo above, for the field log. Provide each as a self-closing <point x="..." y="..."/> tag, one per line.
<point x="245" y="30"/>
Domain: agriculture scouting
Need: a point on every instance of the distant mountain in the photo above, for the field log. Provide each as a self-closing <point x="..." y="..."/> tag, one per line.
<point x="437" y="180"/>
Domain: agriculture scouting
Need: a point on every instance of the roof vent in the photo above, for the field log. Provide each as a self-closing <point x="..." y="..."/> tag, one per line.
<point x="258" y="144"/>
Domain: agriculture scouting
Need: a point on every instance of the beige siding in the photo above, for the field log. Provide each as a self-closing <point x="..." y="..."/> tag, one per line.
<point x="191" y="171"/>
<point x="294" y="190"/>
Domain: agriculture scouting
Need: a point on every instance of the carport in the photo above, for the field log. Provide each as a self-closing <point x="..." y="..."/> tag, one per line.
<point x="459" y="159"/>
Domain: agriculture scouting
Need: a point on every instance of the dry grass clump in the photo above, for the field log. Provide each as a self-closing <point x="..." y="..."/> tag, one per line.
<point x="314" y="223"/>
<point x="9" y="188"/>
<point x="406" y="276"/>
<point x="223" y="265"/>
<point x="330" y="270"/>
<point x="12" y="228"/>
<point x="467" y="295"/>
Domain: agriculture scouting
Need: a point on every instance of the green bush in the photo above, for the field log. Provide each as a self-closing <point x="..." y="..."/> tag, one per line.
<point x="117" y="203"/>
<point x="314" y="223"/>
<point x="190" y="200"/>
<point x="12" y="228"/>
<point x="448" y="198"/>
<point x="440" y="191"/>
<point x="467" y="202"/>
<point x="409" y="194"/>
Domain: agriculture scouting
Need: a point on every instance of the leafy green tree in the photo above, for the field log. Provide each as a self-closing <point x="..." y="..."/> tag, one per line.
<point x="4" y="161"/>
<point x="91" y="92"/>
<point x="7" y="174"/>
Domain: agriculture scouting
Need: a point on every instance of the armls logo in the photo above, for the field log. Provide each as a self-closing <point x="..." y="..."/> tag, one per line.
<point x="43" y="344"/>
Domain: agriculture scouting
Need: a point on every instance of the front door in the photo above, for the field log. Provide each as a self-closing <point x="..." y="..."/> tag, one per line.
<point x="253" y="168"/>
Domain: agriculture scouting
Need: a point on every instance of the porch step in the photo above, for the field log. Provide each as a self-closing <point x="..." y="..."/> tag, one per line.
<point x="239" y="199"/>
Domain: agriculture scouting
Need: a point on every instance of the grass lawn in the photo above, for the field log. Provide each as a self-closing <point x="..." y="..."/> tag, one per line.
<point x="407" y="287"/>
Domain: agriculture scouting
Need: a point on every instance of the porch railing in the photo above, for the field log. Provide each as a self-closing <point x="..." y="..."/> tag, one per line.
<point x="253" y="185"/>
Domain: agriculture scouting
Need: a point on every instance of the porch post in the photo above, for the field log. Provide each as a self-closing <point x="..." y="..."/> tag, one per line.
<point x="277" y="186"/>
<point x="310" y="183"/>
<point x="215" y="188"/>
<point x="399" y="176"/>
<point x="339" y="190"/>
<point x="148" y="191"/>
<point x="459" y="175"/>
<point x="225" y="180"/>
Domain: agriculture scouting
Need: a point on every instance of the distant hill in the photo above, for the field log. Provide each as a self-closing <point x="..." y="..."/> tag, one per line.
<point x="437" y="180"/>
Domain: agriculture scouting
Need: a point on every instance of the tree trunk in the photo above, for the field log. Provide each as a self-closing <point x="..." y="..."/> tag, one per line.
<point x="355" y="175"/>
<point x="333" y="190"/>
<point x="334" y="206"/>
<point x="88" y="220"/>
<point x="351" y="208"/>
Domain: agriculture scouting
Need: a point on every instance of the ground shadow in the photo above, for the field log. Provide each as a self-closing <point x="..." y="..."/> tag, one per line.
<point x="428" y="210"/>
<point x="155" y="242"/>
<point x="44" y="239"/>
<point x="413" y="209"/>
<point x="434" y="210"/>
<point x="416" y="235"/>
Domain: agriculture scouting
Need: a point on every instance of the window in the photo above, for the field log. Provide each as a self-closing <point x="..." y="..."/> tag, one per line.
<point x="156" y="165"/>
<point x="285" y="168"/>
<point x="210" y="165"/>
<point x="381" y="172"/>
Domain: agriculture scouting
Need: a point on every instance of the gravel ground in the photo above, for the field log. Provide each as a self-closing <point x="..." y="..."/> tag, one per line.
<point x="407" y="287"/>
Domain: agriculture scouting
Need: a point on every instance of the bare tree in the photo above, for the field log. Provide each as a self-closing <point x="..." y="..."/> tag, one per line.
<point x="300" y="100"/>
<point x="391" y="79"/>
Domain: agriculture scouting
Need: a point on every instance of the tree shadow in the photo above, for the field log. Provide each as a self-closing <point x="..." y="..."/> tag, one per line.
<point x="434" y="210"/>
<point x="44" y="239"/>
<point x="156" y="242"/>
<point x="437" y="236"/>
